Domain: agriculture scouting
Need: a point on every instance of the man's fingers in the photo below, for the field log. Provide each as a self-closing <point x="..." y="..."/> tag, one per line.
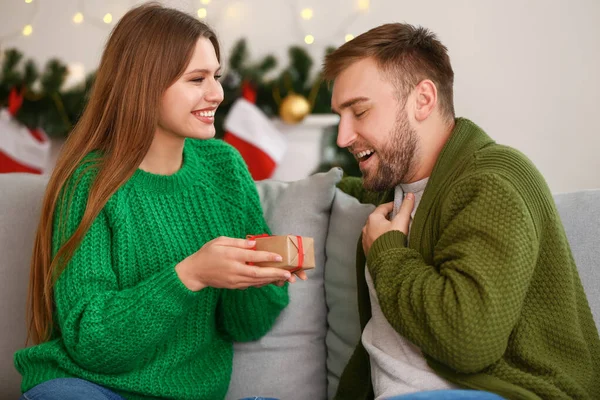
<point x="384" y="209"/>
<point x="408" y="204"/>
<point x="402" y="220"/>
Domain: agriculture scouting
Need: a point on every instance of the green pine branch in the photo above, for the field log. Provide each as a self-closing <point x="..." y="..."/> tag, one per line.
<point x="46" y="104"/>
<point x="49" y="106"/>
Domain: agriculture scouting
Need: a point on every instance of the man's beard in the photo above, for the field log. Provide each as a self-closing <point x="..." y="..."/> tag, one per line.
<point x="395" y="158"/>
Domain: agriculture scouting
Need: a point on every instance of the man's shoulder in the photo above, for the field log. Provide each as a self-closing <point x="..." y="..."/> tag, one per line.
<point x="508" y="167"/>
<point x="508" y="163"/>
<point x="482" y="154"/>
<point x="500" y="152"/>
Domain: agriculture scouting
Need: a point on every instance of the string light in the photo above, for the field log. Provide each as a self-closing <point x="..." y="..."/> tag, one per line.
<point x="90" y="18"/>
<point x="78" y="18"/>
<point x="307" y="13"/>
<point x="27" y="30"/>
<point x="234" y="12"/>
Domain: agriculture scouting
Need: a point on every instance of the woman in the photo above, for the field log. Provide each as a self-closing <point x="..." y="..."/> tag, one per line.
<point x="138" y="257"/>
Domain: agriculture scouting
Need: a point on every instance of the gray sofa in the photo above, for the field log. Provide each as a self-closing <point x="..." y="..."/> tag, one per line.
<point x="304" y="354"/>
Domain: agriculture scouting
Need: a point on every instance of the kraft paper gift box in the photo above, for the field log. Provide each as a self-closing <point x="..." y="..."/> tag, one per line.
<point x="298" y="252"/>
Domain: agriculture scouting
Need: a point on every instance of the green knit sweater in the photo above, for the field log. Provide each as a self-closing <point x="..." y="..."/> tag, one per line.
<point x="126" y="320"/>
<point x="487" y="287"/>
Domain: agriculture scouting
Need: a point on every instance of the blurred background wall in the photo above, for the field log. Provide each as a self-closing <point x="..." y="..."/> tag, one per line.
<point x="527" y="71"/>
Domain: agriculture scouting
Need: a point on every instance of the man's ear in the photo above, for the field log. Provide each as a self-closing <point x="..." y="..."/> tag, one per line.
<point x="425" y="99"/>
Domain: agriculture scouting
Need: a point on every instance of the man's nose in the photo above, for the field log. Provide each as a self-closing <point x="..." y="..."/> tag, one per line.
<point x="346" y="134"/>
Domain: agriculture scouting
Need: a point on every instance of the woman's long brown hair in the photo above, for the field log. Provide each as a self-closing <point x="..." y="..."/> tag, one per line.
<point x="147" y="51"/>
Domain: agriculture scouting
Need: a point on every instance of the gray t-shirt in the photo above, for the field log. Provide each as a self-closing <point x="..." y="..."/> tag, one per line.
<point x="397" y="365"/>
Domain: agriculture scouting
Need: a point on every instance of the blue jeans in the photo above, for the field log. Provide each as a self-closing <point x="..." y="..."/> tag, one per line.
<point x="69" y="389"/>
<point x="449" y="395"/>
<point x="77" y="389"/>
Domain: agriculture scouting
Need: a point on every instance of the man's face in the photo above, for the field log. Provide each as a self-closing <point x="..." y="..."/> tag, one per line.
<point x="374" y="125"/>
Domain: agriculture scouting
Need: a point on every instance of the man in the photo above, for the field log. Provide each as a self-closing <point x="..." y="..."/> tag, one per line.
<point x="483" y="293"/>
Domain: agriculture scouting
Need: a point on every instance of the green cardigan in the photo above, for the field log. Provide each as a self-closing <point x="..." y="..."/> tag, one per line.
<point x="487" y="288"/>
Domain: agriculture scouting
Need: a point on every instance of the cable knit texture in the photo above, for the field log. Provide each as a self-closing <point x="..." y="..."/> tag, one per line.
<point x="487" y="286"/>
<point x="126" y="320"/>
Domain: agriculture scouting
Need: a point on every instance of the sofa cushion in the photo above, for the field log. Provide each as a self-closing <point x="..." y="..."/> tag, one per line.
<point x="348" y="216"/>
<point x="20" y="206"/>
<point x="290" y="361"/>
<point x="580" y="215"/>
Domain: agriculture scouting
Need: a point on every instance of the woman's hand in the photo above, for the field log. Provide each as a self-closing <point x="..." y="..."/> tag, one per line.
<point x="292" y="279"/>
<point x="221" y="263"/>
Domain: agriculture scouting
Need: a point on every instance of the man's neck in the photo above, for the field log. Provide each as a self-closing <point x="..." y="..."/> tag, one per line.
<point x="433" y="140"/>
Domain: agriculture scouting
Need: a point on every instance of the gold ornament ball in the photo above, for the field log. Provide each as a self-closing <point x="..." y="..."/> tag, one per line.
<point x="294" y="108"/>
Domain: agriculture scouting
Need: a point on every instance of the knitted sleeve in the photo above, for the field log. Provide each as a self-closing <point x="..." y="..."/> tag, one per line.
<point x="246" y="315"/>
<point x="104" y="328"/>
<point x="353" y="186"/>
<point x="461" y="309"/>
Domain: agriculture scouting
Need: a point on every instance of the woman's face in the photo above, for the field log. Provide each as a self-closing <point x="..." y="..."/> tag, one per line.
<point x="188" y="106"/>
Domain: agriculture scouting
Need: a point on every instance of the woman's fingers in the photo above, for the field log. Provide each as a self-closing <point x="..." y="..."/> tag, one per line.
<point x="233" y="242"/>
<point x="263" y="273"/>
<point x="301" y="275"/>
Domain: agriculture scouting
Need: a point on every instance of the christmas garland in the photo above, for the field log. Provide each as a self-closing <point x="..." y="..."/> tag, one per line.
<point x="38" y="97"/>
<point x="47" y="106"/>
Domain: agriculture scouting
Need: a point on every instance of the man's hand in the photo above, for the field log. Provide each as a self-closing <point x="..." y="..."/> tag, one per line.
<point x="378" y="223"/>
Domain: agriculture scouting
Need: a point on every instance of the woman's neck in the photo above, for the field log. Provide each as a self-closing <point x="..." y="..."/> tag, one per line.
<point x="165" y="155"/>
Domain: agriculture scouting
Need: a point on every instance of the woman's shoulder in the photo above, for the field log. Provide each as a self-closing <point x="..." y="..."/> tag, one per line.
<point x="85" y="172"/>
<point x="217" y="153"/>
<point x="223" y="163"/>
<point x="78" y="185"/>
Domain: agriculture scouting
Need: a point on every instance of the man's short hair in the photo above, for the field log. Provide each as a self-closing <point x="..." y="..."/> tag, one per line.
<point x="407" y="55"/>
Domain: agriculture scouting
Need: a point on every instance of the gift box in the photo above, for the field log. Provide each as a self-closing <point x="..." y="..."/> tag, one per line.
<point x="298" y="252"/>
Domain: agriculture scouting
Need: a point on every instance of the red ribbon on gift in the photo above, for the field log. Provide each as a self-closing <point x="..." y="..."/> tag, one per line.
<point x="300" y="250"/>
<point x="300" y="255"/>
